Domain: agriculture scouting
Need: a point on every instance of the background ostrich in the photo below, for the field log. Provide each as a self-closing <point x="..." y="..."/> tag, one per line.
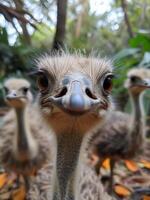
<point x="74" y="98"/>
<point x="24" y="138"/>
<point x="122" y="135"/>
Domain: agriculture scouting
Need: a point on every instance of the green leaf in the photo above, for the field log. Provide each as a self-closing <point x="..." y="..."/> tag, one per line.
<point x="126" y="52"/>
<point x="3" y="36"/>
<point x="141" y="41"/>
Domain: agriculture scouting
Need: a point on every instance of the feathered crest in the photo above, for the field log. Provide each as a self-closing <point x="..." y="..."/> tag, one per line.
<point x="139" y="72"/>
<point x="16" y="83"/>
<point x="60" y="64"/>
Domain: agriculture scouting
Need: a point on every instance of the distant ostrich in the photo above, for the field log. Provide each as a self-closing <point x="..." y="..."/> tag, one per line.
<point x="24" y="138"/>
<point x="122" y="135"/>
<point x="74" y="97"/>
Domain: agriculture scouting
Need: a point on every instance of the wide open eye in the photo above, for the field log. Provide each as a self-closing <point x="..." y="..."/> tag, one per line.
<point x="6" y="90"/>
<point x="107" y="83"/>
<point x="134" y="79"/>
<point x="43" y="82"/>
<point x="25" y="90"/>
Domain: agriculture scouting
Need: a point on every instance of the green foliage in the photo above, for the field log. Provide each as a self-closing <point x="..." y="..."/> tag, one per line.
<point x="13" y="59"/>
<point x="43" y="36"/>
<point x="3" y="36"/>
<point x="141" y="41"/>
<point x="97" y="33"/>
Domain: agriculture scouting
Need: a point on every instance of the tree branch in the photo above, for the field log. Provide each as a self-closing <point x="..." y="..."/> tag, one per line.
<point x="126" y="18"/>
<point x="10" y="13"/>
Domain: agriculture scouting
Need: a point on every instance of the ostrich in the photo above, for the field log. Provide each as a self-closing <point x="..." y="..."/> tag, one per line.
<point x="24" y="137"/>
<point x="122" y="135"/>
<point x="74" y="96"/>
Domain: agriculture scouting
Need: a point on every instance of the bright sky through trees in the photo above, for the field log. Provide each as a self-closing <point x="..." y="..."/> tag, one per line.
<point x="97" y="6"/>
<point x="100" y="6"/>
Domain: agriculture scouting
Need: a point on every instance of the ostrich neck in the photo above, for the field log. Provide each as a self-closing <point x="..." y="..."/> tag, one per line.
<point x="68" y="148"/>
<point x="22" y="132"/>
<point x="24" y="146"/>
<point x="138" y="117"/>
<point x="70" y="134"/>
<point x="137" y="103"/>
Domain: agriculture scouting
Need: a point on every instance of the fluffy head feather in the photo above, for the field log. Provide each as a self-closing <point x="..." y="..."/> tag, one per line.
<point x="16" y="83"/>
<point x="58" y="65"/>
<point x="139" y="72"/>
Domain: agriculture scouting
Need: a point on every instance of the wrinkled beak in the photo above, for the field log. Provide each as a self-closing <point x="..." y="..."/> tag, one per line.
<point x="11" y="95"/>
<point x="75" y="98"/>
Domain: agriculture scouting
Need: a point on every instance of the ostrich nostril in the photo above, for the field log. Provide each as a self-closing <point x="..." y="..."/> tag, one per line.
<point x="61" y="93"/>
<point x="90" y="94"/>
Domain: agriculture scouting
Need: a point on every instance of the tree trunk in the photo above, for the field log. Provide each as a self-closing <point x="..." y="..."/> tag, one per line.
<point x="126" y="18"/>
<point x="26" y="37"/>
<point x="84" y="4"/>
<point x="59" y="37"/>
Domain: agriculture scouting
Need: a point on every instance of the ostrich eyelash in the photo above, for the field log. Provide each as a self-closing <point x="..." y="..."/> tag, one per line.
<point x="36" y="73"/>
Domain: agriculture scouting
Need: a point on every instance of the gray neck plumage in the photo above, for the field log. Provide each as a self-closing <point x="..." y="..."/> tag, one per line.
<point x="138" y="109"/>
<point x="24" y="144"/>
<point x="138" y="117"/>
<point x="68" y="148"/>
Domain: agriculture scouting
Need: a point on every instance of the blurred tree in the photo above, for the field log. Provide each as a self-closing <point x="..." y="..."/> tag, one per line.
<point x="126" y="18"/>
<point x="19" y="13"/>
<point x="88" y="30"/>
<point x="19" y="4"/>
<point x="59" y="37"/>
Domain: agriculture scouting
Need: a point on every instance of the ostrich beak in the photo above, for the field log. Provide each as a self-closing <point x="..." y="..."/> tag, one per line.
<point x="11" y="95"/>
<point x="146" y="83"/>
<point x="75" y="98"/>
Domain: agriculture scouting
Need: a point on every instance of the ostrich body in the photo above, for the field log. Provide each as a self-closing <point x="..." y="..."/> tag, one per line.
<point x="122" y="135"/>
<point x="24" y="137"/>
<point x="73" y="92"/>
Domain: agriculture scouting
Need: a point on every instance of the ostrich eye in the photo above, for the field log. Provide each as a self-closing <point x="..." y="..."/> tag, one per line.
<point x="133" y="78"/>
<point x="107" y="83"/>
<point x="6" y="90"/>
<point x="43" y="82"/>
<point x="25" y="90"/>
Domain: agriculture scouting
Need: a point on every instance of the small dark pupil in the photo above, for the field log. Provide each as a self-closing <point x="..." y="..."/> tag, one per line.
<point x="133" y="78"/>
<point x="25" y="90"/>
<point x="43" y="81"/>
<point x="6" y="89"/>
<point x="107" y="83"/>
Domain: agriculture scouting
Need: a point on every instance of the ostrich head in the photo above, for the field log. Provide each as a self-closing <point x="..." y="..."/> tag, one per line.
<point x="138" y="79"/>
<point x="17" y="92"/>
<point x="73" y="87"/>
